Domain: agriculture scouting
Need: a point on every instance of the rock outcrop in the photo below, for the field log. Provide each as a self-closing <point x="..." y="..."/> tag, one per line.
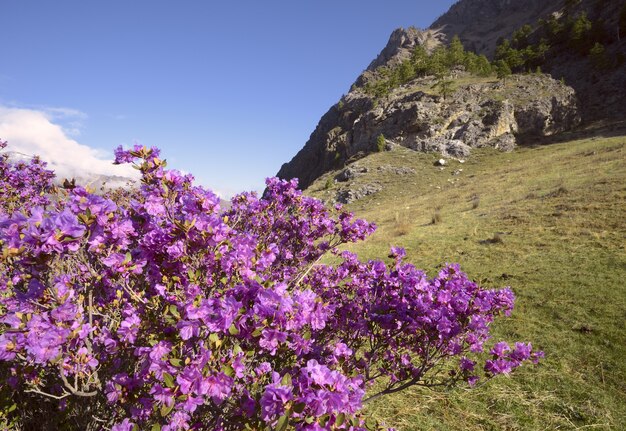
<point x="480" y="24"/>
<point x="400" y="46"/>
<point x="478" y="114"/>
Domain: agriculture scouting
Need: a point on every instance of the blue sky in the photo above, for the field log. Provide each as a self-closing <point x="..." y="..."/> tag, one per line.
<point x="228" y="90"/>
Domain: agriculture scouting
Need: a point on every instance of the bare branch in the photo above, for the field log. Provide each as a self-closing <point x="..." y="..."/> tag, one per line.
<point x="74" y="390"/>
<point x="56" y="397"/>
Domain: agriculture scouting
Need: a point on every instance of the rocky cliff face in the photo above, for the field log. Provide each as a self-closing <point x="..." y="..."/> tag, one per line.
<point x="482" y="112"/>
<point x="480" y="24"/>
<point x="401" y="44"/>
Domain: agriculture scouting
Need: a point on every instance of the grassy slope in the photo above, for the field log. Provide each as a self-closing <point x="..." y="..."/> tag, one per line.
<point x="560" y="213"/>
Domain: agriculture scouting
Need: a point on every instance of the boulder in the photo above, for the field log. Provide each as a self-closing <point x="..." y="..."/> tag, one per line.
<point x="349" y="195"/>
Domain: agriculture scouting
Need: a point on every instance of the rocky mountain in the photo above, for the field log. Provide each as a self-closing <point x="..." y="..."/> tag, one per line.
<point x="452" y="114"/>
<point x="481" y="24"/>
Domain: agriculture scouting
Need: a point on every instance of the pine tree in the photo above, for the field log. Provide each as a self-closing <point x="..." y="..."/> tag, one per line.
<point x="511" y="56"/>
<point x="419" y="58"/>
<point x="502" y="70"/>
<point x="406" y="72"/>
<point x="579" y="32"/>
<point x="443" y="85"/>
<point x="519" y="39"/>
<point x="598" y="57"/>
<point x="437" y="63"/>
<point x="483" y="66"/>
<point x="456" y="52"/>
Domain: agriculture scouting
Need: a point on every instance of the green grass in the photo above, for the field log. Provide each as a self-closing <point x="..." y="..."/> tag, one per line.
<point x="505" y="89"/>
<point x="426" y="85"/>
<point x="559" y="212"/>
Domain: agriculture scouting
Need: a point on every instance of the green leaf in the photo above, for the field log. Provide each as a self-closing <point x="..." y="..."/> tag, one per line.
<point x="176" y="362"/>
<point x="233" y="330"/>
<point x="174" y="310"/>
<point x="341" y="418"/>
<point x="299" y="407"/>
<point x="371" y="424"/>
<point x="282" y="423"/>
<point x="286" y="380"/>
<point x="156" y="427"/>
<point x="169" y="380"/>
<point x="191" y="274"/>
<point x="165" y="410"/>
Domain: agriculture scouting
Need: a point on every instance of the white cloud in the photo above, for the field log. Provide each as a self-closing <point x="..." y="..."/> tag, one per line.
<point x="35" y="132"/>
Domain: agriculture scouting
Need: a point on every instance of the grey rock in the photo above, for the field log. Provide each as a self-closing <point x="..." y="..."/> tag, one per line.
<point x="350" y="173"/>
<point x="504" y="142"/>
<point x="349" y="195"/>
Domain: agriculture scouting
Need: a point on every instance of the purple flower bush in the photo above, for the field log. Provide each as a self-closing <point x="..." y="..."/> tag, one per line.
<point x="157" y="310"/>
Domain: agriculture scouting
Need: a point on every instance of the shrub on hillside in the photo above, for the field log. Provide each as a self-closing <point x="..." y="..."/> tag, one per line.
<point x="159" y="311"/>
<point x="381" y="142"/>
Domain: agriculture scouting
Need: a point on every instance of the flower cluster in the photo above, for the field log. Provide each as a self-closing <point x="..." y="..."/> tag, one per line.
<point x="23" y="183"/>
<point x="158" y="310"/>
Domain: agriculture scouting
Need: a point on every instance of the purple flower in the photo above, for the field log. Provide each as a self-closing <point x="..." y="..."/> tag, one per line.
<point x="498" y="366"/>
<point x="68" y="225"/>
<point x="397" y="253"/>
<point x="188" y="329"/>
<point x="176" y="250"/>
<point x="467" y="364"/>
<point x="320" y="374"/>
<point x="161" y="349"/>
<point x="263" y="368"/>
<point x="271" y="339"/>
<point x="217" y="386"/>
<point x="163" y="395"/>
<point x="191" y="403"/>
<point x="499" y="349"/>
<point x="521" y="352"/>
<point x="178" y="421"/>
<point x="129" y="328"/>
<point x="7" y="347"/>
<point x="273" y="401"/>
<point x="125" y="425"/>
<point x="123" y="156"/>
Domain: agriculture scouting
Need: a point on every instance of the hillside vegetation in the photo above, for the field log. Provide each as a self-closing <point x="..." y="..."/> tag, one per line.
<point x="548" y="220"/>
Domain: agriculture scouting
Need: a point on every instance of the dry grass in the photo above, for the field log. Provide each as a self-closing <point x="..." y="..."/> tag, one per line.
<point x="402" y="223"/>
